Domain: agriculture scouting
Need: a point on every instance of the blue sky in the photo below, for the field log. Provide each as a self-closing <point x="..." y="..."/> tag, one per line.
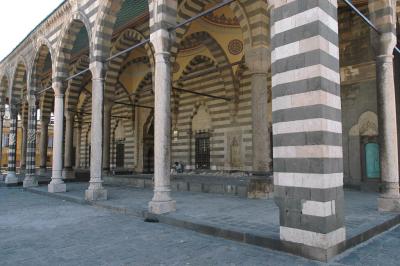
<point x="18" y="18"/>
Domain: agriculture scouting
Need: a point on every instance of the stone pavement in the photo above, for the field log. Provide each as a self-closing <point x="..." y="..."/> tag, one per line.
<point x="254" y="216"/>
<point x="38" y="230"/>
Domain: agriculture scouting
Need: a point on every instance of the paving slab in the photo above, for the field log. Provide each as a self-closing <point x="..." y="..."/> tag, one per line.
<point x="254" y="221"/>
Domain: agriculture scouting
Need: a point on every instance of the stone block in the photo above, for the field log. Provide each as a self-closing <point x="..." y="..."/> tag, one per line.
<point x="96" y="194"/>
<point x="160" y="207"/>
<point x="57" y="188"/>
<point x="388" y="204"/>
<point x="196" y="187"/>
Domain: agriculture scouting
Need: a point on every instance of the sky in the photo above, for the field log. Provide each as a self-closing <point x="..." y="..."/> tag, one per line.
<point x="18" y="18"/>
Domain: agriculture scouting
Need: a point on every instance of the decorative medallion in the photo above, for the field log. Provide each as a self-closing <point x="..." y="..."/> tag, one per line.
<point x="175" y="67"/>
<point x="235" y="47"/>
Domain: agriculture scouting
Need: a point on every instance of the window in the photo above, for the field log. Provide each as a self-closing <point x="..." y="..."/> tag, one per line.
<point x="202" y="158"/>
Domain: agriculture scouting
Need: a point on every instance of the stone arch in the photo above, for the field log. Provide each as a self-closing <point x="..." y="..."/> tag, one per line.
<point x="46" y="102"/>
<point x="222" y="62"/>
<point x="200" y="118"/>
<point x="4" y="87"/>
<point x="126" y="39"/>
<point x="368" y="124"/>
<point x="66" y="43"/>
<point x="43" y="50"/>
<point x="142" y="87"/>
<point x="19" y="82"/>
<point x="104" y="27"/>
<point x="255" y="27"/>
<point x="74" y="86"/>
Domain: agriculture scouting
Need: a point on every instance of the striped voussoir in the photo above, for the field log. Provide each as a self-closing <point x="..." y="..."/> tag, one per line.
<point x="31" y="141"/>
<point x="18" y="83"/>
<point x="12" y="143"/>
<point x="75" y="85"/>
<point x="121" y="117"/>
<point x="127" y="39"/>
<point x="226" y="73"/>
<point x="307" y="128"/>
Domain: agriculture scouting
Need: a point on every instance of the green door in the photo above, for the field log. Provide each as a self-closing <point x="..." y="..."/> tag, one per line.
<point x="372" y="160"/>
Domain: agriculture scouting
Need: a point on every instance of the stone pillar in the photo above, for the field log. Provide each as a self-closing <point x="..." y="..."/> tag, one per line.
<point x="106" y="140"/>
<point x="96" y="190"/>
<point x="1" y="138"/>
<point x="162" y="18"/>
<point x="30" y="174"/>
<point x="307" y="127"/>
<point x="23" y="147"/>
<point x="11" y="178"/>
<point x="78" y="131"/>
<point x="383" y="15"/>
<point x="44" y="127"/>
<point x="68" y="172"/>
<point x="258" y="61"/>
<point x="57" y="184"/>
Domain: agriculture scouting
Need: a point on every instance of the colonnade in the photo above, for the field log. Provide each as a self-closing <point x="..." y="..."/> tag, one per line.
<point x="306" y="124"/>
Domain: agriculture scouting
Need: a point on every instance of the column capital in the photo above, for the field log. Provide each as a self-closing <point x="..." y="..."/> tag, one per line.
<point x="258" y="60"/>
<point x="98" y="70"/>
<point x="58" y="87"/>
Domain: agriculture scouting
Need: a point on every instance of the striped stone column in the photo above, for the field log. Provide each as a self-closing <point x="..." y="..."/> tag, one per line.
<point x="96" y="191"/>
<point x="11" y="178"/>
<point x="307" y="128"/>
<point x="30" y="173"/>
<point x="162" y="17"/>
<point x="23" y="146"/>
<point x="383" y="16"/>
<point x="44" y="127"/>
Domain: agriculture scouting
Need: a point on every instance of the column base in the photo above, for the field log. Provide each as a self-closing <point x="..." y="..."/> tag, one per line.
<point x="42" y="171"/>
<point x="30" y="181"/>
<point x="96" y="194"/>
<point x="11" y="179"/>
<point x="68" y="173"/>
<point x="160" y="207"/>
<point x="57" y="187"/>
<point x="388" y="204"/>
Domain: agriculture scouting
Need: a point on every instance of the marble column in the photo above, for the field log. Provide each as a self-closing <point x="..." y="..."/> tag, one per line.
<point x="162" y="40"/>
<point x="57" y="184"/>
<point x="258" y="61"/>
<point x="44" y="127"/>
<point x="68" y="172"/>
<point x="384" y="18"/>
<point x="78" y="131"/>
<point x="106" y="140"/>
<point x="11" y="178"/>
<point x="30" y="174"/>
<point x="23" y="147"/>
<point x="96" y="190"/>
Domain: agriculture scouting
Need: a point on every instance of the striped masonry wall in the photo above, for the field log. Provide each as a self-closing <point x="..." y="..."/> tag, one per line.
<point x="307" y="128"/>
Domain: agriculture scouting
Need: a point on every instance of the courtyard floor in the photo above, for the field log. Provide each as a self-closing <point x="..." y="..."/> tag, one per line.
<point x="252" y="216"/>
<point x="40" y="230"/>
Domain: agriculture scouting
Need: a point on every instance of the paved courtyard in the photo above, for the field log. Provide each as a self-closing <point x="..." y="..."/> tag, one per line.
<point x="39" y="230"/>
